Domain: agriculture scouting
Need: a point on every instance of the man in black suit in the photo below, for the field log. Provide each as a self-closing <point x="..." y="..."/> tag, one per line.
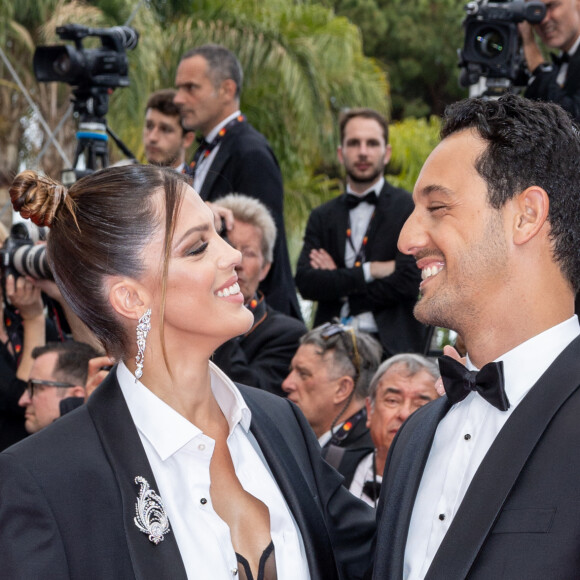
<point x="483" y="483"/>
<point x="329" y="380"/>
<point x="261" y="357"/>
<point x="349" y="262"/>
<point x="233" y="156"/>
<point x="559" y="81"/>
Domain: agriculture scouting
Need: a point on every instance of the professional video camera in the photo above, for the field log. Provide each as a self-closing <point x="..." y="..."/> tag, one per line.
<point x="22" y="256"/>
<point x="94" y="73"/>
<point x="492" y="47"/>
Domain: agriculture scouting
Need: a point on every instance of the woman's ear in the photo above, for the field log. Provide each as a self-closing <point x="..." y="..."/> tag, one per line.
<point x="128" y="298"/>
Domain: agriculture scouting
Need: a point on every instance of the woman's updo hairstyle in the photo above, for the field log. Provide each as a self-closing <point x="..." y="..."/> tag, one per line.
<point x="99" y="228"/>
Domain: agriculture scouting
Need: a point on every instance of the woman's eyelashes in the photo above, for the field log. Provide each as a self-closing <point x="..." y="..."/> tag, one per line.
<point x="197" y="249"/>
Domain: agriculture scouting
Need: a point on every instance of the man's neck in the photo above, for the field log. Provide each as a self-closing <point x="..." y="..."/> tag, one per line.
<point x="228" y="112"/>
<point x="360" y="188"/>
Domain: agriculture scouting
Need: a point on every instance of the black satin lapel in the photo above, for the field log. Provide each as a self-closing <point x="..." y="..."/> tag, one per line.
<point x="127" y="457"/>
<point x="341" y="221"/>
<point x="402" y="477"/>
<point x="381" y="216"/>
<point x="296" y="490"/>
<point x="215" y="170"/>
<point x="502" y="465"/>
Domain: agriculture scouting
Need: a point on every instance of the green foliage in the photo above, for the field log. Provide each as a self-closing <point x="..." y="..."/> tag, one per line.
<point x="412" y="141"/>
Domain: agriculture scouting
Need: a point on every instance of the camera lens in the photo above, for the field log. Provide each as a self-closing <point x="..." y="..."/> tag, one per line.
<point x="62" y="65"/>
<point x="31" y="260"/>
<point x="489" y="43"/>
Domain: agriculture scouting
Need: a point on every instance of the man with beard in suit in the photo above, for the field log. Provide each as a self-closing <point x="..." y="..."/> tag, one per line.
<point x="559" y="81"/>
<point x="483" y="483"/>
<point x="232" y="155"/>
<point x="349" y="262"/>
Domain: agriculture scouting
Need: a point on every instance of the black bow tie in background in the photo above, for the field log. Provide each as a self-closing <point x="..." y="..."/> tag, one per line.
<point x="353" y="200"/>
<point x="372" y="489"/>
<point x="560" y="59"/>
<point x="488" y="382"/>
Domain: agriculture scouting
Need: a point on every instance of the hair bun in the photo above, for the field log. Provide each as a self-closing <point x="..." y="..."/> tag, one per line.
<point x="37" y="197"/>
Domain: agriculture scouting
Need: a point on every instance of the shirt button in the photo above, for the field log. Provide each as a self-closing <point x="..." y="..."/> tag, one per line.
<point x="235" y="572"/>
<point x="467" y="436"/>
<point x="201" y="446"/>
<point x="441" y="517"/>
<point x="203" y="501"/>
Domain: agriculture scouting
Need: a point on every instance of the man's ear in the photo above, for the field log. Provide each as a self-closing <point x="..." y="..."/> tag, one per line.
<point x="369" y="411"/>
<point x="340" y="155"/>
<point x="76" y="391"/>
<point x="128" y="298"/>
<point x="531" y="213"/>
<point x="388" y="153"/>
<point x="228" y="88"/>
<point x="188" y="139"/>
<point x="345" y="386"/>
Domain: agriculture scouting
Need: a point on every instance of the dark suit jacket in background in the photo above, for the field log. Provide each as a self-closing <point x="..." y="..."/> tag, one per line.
<point x="261" y="357"/>
<point x="545" y="88"/>
<point x="520" y="517"/>
<point x="390" y="299"/>
<point x="246" y="164"/>
<point x="68" y="495"/>
<point x="356" y="445"/>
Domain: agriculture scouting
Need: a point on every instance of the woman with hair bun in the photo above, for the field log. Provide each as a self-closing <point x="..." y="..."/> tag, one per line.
<point x="170" y="471"/>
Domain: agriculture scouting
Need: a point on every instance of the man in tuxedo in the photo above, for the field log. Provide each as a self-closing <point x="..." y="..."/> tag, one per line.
<point x="349" y="262"/>
<point x="164" y="138"/>
<point x="558" y="81"/>
<point x="483" y="483"/>
<point x="329" y="380"/>
<point x="402" y="384"/>
<point x="259" y="358"/>
<point x="233" y="156"/>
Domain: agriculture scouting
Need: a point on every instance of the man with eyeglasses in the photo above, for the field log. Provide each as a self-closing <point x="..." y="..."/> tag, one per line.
<point x="329" y="379"/>
<point x="57" y="382"/>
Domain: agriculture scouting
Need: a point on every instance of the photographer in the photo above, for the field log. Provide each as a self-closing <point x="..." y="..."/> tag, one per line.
<point x="559" y="81"/>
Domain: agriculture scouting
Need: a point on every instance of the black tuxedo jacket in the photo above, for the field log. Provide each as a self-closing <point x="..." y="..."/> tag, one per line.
<point x="261" y="357"/>
<point x="390" y="299"/>
<point x="520" y="517"/>
<point x="545" y="88"/>
<point x="246" y="164"/>
<point x="68" y="495"/>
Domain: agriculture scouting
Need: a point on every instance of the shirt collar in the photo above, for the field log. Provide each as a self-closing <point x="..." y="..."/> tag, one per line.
<point x="527" y="362"/>
<point x="574" y="48"/>
<point x="377" y="187"/>
<point x="213" y="133"/>
<point x="165" y="429"/>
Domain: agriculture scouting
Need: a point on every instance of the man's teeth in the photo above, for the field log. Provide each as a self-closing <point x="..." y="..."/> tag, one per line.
<point x="233" y="289"/>
<point x="430" y="271"/>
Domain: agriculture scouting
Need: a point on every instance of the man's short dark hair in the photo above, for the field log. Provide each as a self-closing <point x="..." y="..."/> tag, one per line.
<point x="222" y="64"/>
<point x="529" y="143"/>
<point x="163" y="101"/>
<point x="365" y="113"/>
<point x="72" y="364"/>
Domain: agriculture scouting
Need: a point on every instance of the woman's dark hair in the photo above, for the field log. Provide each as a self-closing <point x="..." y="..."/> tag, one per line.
<point x="99" y="228"/>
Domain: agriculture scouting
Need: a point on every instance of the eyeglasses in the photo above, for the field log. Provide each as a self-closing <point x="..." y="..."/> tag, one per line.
<point x="330" y="329"/>
<point x="33" y="385"/>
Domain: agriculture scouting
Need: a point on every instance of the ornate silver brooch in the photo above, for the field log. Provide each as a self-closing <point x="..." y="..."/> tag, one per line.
<point x="151" y="518"/>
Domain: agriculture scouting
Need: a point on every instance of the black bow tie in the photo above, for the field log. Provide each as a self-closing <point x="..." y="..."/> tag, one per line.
<point x="560" y="59"/>
<point x="372" y="489"/>
<point x="488" y="382"/>
<point x="353" y="200"/>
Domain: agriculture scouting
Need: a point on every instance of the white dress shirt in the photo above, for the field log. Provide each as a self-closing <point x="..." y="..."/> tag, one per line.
<point x="463" y="438"/>
<point x="204" y="163"/>
<point x="365" y="471"/>
<point x="360" y="217"/>
<point x="563" y="72"/>
<point x="179" y="454"/>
